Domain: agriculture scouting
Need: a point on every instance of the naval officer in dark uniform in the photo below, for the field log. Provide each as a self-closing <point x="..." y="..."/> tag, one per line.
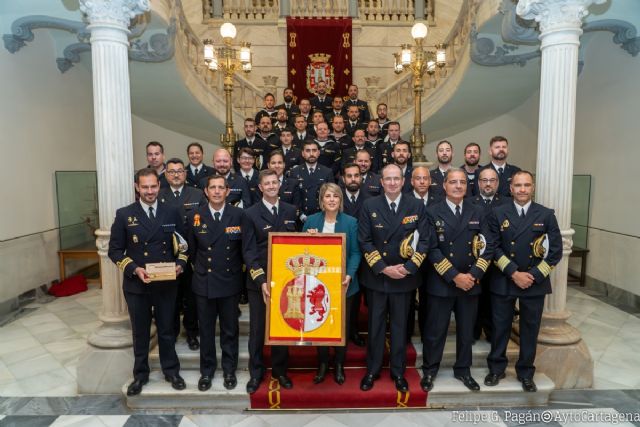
<point x="309" y="177"/>
<point x="394" y="252"/>
<point x="528" y="246"/>
<point x="239" y="193"/>
<point x="216" y="240"/>
<point x="196" y="169"/>
<point x="499" y="151"/>
<point x="267" y="216"/>
<point x="459" y="255"/>
<point x="144" y="232"/>
<point x="185" y="199"/>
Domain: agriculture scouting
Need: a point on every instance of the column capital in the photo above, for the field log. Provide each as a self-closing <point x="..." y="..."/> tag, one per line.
<point x="113" y="12"/>
<point x="556" y="14"/>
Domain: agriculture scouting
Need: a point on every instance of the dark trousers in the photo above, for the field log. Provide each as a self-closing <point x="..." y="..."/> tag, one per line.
<point x="209" y="309"/>
<point x="162" y="298"/>
<point x="340" y="351"/>
<point x="437" y="326"/>
<point x="186" y="302"/>
<point x="279" y="353"/>
<point x="483" y="321"/>
<point x="530" y="318"/>
<point x="353" y="310"/>
<point x="396" y="306"/>
<point x="421" y="309"/>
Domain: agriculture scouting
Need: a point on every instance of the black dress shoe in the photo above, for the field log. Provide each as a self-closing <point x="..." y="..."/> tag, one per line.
<point x="253" y="385"/>
<point x="193" y="343"/>
<point x="367" y="381"/>
<point x="401" y="384"/>
<point x="493" y="379"/>
<point x="204" y="383"/>
<point x="357" y="340"/>
<point x="321" y="373"/>
<point x="426" y="383"/>
<point x="177" y="382"/>
<point x="136" y="387"/>
<point x="338" y="374"/>
<point x="468" y="382"/>
<point x="528" y="384"/>
<point x="285" y="382"/>
<point x="230" y="381"/>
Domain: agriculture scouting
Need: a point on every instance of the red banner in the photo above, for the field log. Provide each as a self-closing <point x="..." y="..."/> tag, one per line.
<point x="319" y="49"/>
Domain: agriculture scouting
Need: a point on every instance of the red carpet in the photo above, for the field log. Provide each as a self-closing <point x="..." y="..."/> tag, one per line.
<point x="306" y="357"/>
<point x="329" y="395"/>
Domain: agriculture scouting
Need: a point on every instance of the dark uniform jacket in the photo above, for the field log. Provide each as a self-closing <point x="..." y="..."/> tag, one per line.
<point x="298" y="142"/>
<point x="264" y="112"/>
<point x="308" y="186"/>
<point x="261" y="223"/>
<point x="137" y="240"/>
<point x="407" y="188"/>
<point x="371" y="184"/>
<point x="363" y="108"/>
<point x="349" y="154"/>
<point x="505" y="179"/>
<point x="292" y="158"/>
<point x="252" y="184"/>
<point x="432" y="199"/>
<point x="382" y="235"/>
<point x="259" y="146"/>
<point x="194" y="180"/>
<point x="239" y="190"/>
<point x="321" y="105"/>
<point x="344" y="141"/>
<point x="496" y="201"/>
<point x="437" y="179"/>
<point x="457" y="246"/>
<point x="190" y="198"/>
<point x="288" y="190"/>
<point x="353" y="209"/>
<point x="350" y="128"/>
<point x="292" y="110"/>
<point x="518" y="247"/>
<point x="215" y="251"/>
<point x="328" y="117"/>
<point x="330" y="155"/>
<point x="384" y="154"/>
<point x="272" y="142"/>
<point x="472" y="181"/>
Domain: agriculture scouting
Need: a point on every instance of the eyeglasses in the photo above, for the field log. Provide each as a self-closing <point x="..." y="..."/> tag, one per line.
<point x="488" y="180"/>
<point x="176" y="172"/>
<point x="246" y="158"/>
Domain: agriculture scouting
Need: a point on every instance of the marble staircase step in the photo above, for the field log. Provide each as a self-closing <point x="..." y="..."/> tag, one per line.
<point x="191" y="359"/>
<point x="449" y="392"/>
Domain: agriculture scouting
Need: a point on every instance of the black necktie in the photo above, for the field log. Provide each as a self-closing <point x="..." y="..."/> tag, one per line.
<point x="286" y="151"/>
<point x="216" y="216"/>
<point x="275" y="211"/>
<point x="353" y="199"/>
<point x="500" y="171"/>
<point x="311" y="171"/>
<point x="522" y="213"/>
<point x="458" y="212"/>
<point x="247" y="177"/>
<point x="195" y="172"/>
<point x="393" y="207"/>
<point x="487" y="201"/>
<point x="151" y="215"/>
<point x="176" y="193"/>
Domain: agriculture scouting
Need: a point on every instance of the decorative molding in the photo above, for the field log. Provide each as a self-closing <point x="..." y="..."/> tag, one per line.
<point x="22" y="30"/>
<point x="113" y="12"/>
<point x="556" y="14"/>
<point x="71" y="55"/>
<point x="485" y="52"/>
<point x="516" y="30"/>
<point x="159" y="48"/>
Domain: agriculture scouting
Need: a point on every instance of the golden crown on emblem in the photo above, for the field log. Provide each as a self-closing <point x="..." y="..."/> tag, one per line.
<point x="319" y="57"/>
<point x="306" y="264"/>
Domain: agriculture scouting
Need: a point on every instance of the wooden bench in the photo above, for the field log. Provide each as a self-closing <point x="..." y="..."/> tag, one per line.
<point x="581" y="253"/>
<point x="84" y="251"/>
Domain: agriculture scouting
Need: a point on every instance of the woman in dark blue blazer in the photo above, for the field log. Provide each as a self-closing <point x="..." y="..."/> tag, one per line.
<point x="333" y="220"/>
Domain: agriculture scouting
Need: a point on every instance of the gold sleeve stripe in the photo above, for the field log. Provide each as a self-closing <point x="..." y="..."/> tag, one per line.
<point x="255" y="273"/>
<point x="372" y="258"/>
<point x="482" y="264"/>
<point x="418" y="258"/>
<point x="122" y="264"/>
<point x="503" y="262"/>
<point x="544" y="268"/>
<point x="183" y="257"/>
<point x="442" y="266"/>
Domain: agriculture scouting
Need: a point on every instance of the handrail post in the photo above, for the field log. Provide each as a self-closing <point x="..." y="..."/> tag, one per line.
<point x="285" y="8"/>
<point x="217" y="9"/>
<point x="353" y="9"/>
<point x="418" y="8"/>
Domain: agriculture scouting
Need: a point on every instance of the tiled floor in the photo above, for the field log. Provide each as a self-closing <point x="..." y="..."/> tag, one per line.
<point x="40" y="350"/>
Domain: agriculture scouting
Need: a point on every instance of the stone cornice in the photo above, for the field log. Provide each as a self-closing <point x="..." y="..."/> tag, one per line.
<point x="556" y="14"/>
<point x="113" y="12"/>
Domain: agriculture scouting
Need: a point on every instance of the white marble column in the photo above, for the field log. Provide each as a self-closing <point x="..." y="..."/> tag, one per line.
<point x="561" y="353"/>
<point x="107" y="364"/>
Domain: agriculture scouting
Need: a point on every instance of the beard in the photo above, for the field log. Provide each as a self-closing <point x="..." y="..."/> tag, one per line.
<point x="288" y="99"/>
<point x="471" y="162"/>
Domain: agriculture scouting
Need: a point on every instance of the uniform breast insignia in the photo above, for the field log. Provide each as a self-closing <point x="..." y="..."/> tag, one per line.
<point x="505" y="224"/>
<point x="541" y="246"/>
<point x="132" y="221"/>
<point x="478" y="245"/>
<point x="409" y="219"/>
<point x="406" y="249"/>
<point x="474" y="222"/>
<point x="289" y="221"/>
<point x="538" y="224"/>
<point x="233" y="230"/>
<point x="373" y="215"/>
<point x="135" y="238"/>
<point x="196" y="220"/>
<point x="378" y="226"/>
<point x="267" y="227"/>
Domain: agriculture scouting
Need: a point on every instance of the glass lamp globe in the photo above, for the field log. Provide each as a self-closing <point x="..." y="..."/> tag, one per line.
<point x="228" y="30"/>
<point x="419" y="30"/>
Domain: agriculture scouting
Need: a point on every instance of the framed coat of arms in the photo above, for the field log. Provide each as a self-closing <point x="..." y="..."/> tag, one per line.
<point x="308" y="302"/>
